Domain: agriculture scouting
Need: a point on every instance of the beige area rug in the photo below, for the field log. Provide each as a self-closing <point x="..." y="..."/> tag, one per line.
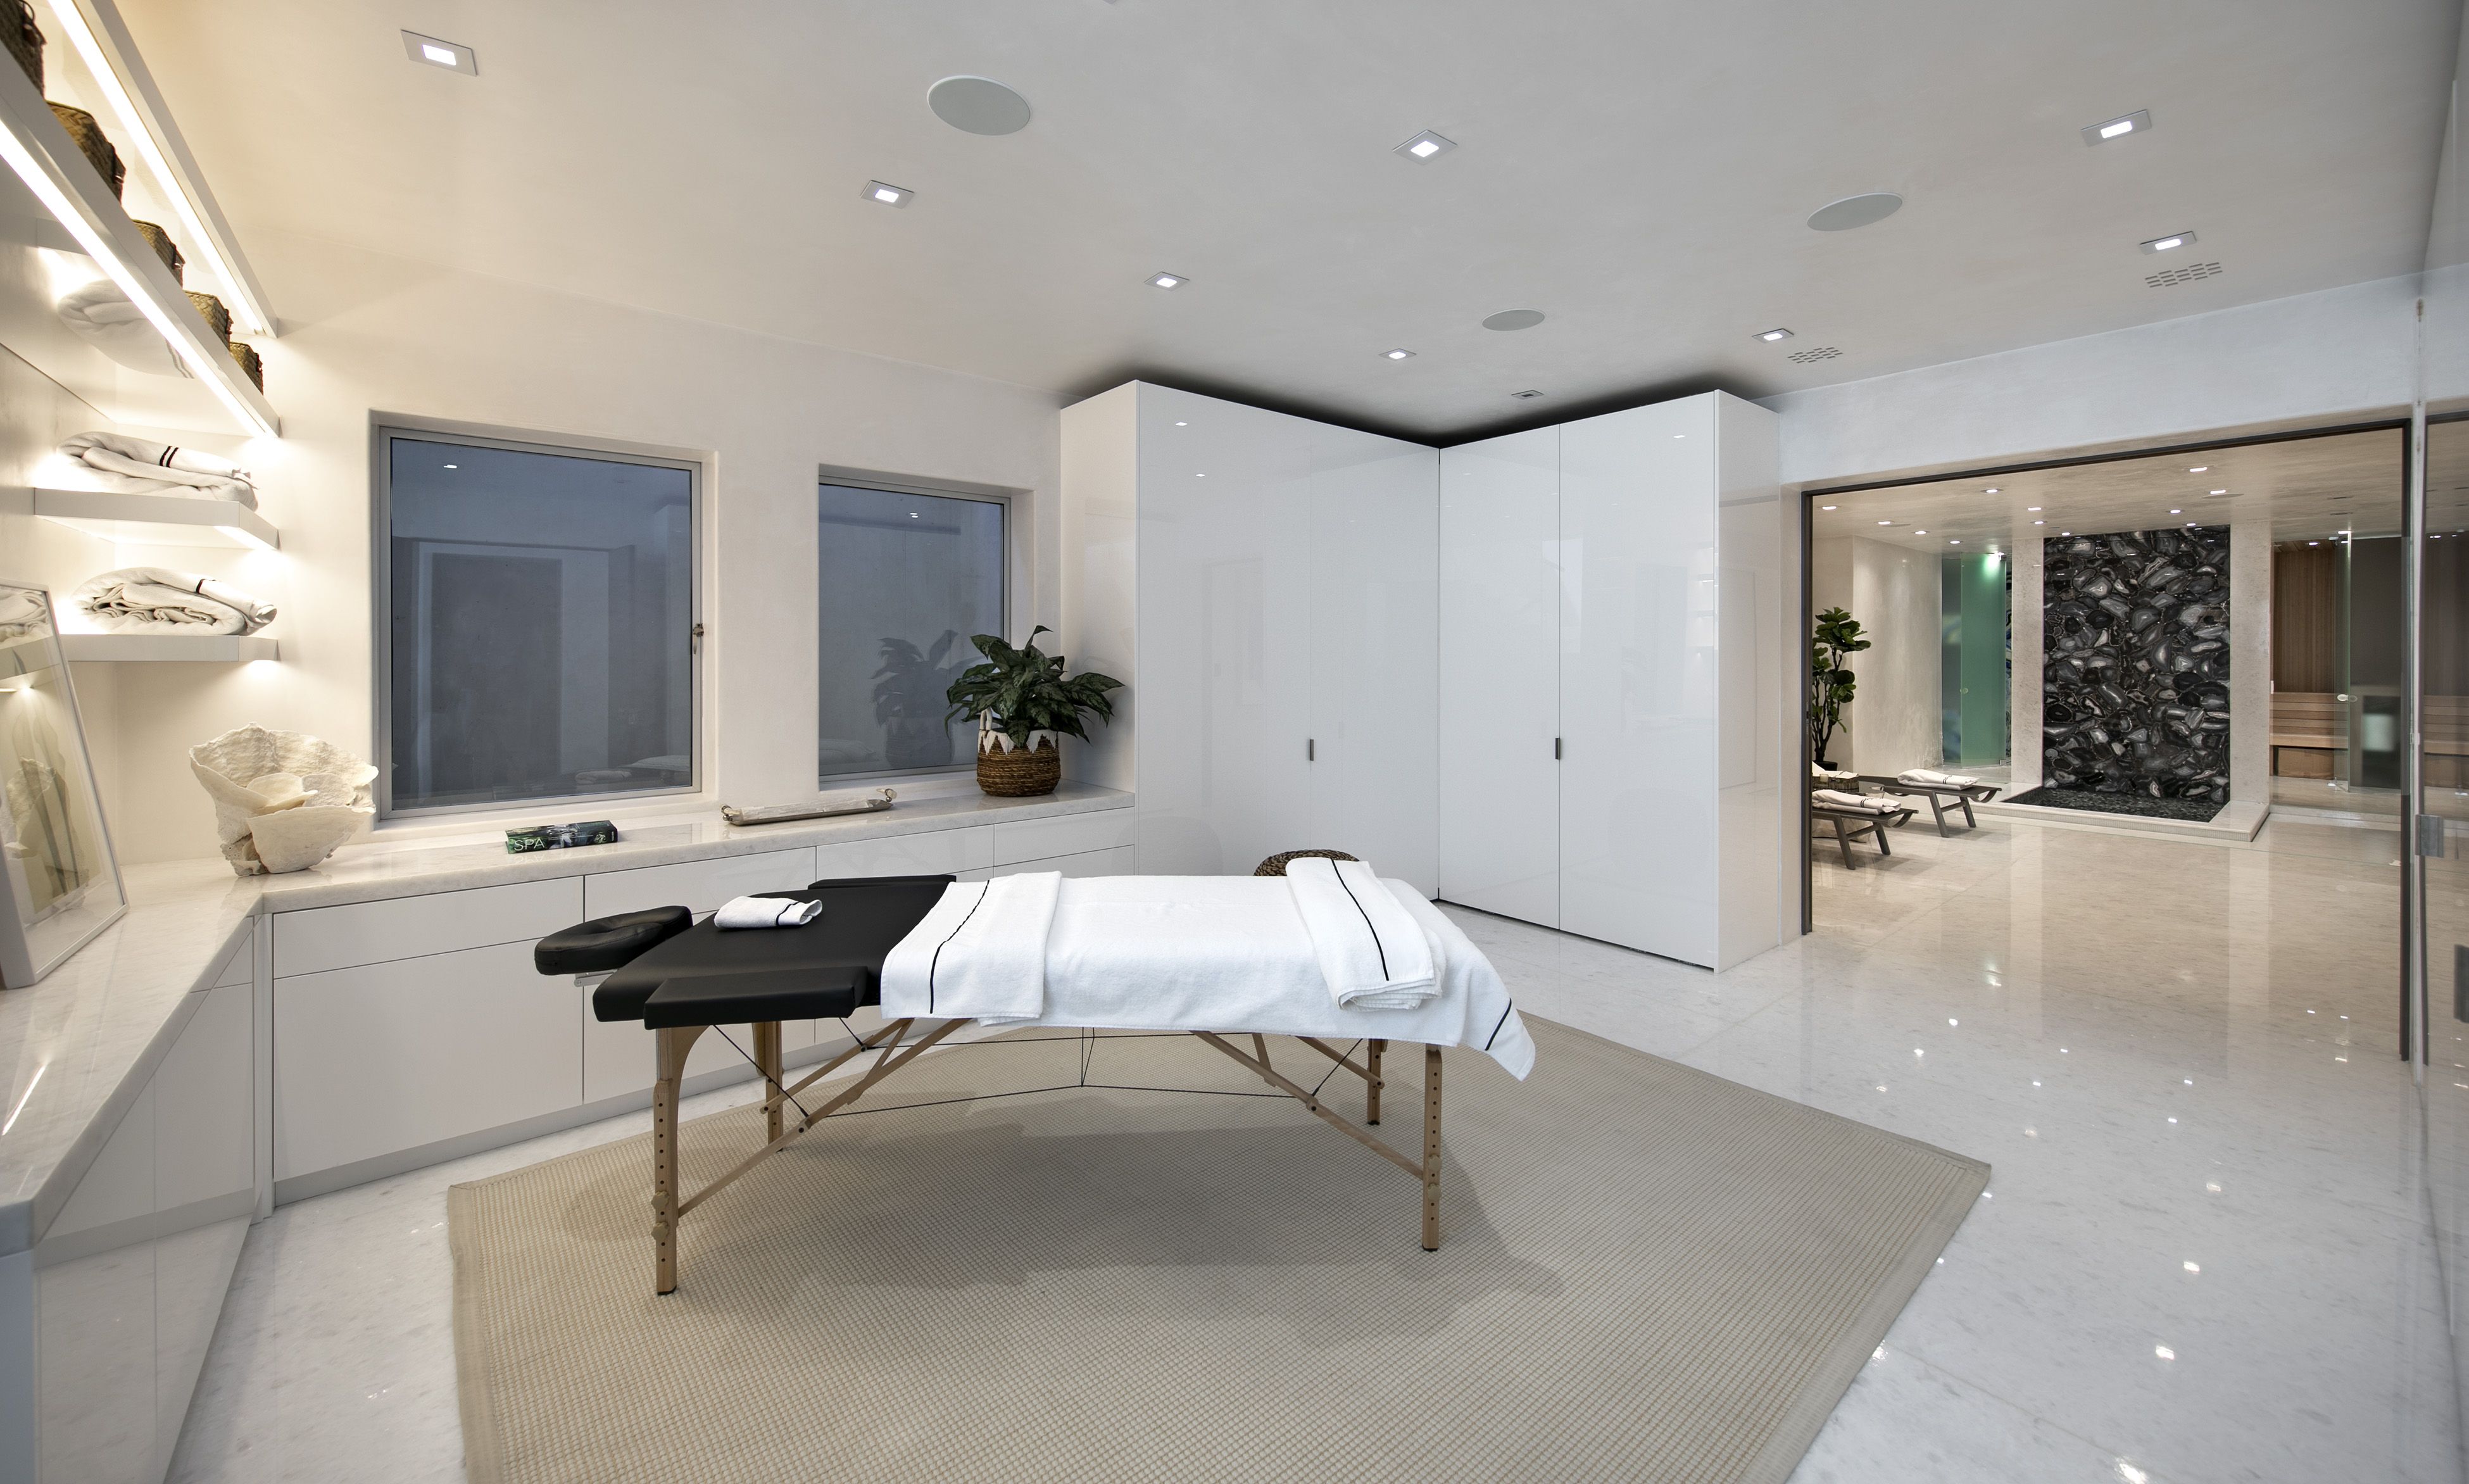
<point x="1646" y="1273"/>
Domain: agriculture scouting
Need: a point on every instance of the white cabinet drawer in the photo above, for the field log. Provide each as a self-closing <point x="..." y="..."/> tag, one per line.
<point x="1072" y="834"/>
<point x="1117" y="862"/>
<point x="936" y="853"/>
<point x="384" y="1058"/>
<point x="699" y="885"/>
<point x="319" y="939"/>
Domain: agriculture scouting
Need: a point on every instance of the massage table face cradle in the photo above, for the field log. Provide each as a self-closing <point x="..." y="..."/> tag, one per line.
<point x="698" y="960"/>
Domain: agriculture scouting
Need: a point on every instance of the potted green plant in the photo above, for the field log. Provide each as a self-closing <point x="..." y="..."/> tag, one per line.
<point x="1024" y="704"/>
<point x="909" y="699"/>
<point x="1830" y="684"/>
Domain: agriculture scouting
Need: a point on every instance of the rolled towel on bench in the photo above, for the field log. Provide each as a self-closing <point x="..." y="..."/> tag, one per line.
<point x="1867" y="804"/>
<point x="1935" y="778"/>
<point x="764" y="912"/>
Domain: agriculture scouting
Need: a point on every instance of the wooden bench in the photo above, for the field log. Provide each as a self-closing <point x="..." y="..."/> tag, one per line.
<point x="2310" y="731"/>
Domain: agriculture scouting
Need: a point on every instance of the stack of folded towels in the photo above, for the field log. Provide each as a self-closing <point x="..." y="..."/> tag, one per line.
<point x="1822" y="776"/>
<point x="1873" y="803"/>
<point x="1935" y="778"/>
<point x="122" y="465"/>
<point x="158" y="600"/>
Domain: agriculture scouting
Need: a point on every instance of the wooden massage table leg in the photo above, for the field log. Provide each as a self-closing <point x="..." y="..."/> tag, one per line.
<point x="1431" y="1148"/>
<point x="1371" y="1084"/>
<point x="675" y="1042"/>
<point x="766" y="1060"/>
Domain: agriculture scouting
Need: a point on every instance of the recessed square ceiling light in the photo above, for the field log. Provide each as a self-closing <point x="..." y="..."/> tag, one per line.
<point x="1954" y="544"/>
<point x="1777" y="334"/>
<point x="883" y="195"/>
<point x="1991" y="490"/>
<point x="1826" y="507"/>
<point x="2031" y="509"/>
<point x="1920" y="533"/>
<point x="2136" y="123"/>
<point x="440" y="54"/>
<point x="2040" y="522"/>
<point x="2177" y="512"/>
<point x="2216" y="492"/>
<point x="1427" y="146"/>
<point x="1168" y="280"/>
<point x="1885" y="522"/>
<point x="2165" y="243"/>
<point x="1399" y="354"/>
<point x="2201" y="469"/>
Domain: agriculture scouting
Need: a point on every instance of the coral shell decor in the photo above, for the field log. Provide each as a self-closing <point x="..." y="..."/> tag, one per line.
<point x="284" y="800"/>
<point x="2136" y="682"/>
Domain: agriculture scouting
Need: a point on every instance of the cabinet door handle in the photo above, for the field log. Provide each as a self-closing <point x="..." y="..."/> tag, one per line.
<point x="1308" y="750"/>
<point x="1556" y="748"/>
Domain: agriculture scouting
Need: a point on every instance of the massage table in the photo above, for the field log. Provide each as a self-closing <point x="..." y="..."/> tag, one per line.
<point x="682" y="978"/>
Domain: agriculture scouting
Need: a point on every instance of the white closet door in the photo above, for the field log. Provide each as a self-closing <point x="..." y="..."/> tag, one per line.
<point x="1638" y="679"/>
<point x="1500" y="678"/>
<point x="1374" y="557"/>
<point x="1225" y="634"/>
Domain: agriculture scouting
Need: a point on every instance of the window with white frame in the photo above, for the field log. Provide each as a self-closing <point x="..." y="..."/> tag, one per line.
<point x="905" y="580"/>
<point x="539" y="621"/>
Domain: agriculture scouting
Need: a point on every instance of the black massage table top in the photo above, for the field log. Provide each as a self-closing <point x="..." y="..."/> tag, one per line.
<point x="824" y="970"/>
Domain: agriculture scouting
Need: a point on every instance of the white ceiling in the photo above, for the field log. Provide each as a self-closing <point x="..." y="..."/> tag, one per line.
<point x="1639" y="173"/>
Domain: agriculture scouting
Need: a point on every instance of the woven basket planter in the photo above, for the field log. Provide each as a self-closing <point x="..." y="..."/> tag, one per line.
<point x="216" y="314"/>
<point x="25" y="41"/>
<point x="1020" y="772"/>
<point x="249" y="365"/>
<point x="87" y="135"/>
<point x="164" y="247"/>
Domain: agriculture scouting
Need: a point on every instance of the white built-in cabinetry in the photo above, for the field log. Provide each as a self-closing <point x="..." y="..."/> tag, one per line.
<point x="413" y="1028"/>
<point x="1269" y="586"/>
<point x="128" y="1279"/>
<point x="1611" y="642"/>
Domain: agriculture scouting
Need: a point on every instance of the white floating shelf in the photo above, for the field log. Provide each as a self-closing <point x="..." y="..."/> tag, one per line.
<point x="212" y="648"/>
<point x="158" y="519"/>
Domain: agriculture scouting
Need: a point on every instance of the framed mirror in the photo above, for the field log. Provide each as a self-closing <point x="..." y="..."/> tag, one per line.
<point x="63" y="882"/>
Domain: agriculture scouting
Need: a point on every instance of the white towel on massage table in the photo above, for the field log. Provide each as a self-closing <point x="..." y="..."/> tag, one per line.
<point x="980" y="954"/>
<point x="741" y="913"/>
<point x="1867" y="804"/>
<point x="1935" y="778"/>
<point x="1371" y="951"/>
<point x="1230" y="953"/>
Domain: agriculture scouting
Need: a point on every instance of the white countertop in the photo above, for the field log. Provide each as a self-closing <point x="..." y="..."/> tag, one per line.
<point x="75" y="1050"/>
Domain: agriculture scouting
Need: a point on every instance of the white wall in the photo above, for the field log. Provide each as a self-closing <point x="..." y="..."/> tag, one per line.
<point x="369" y="332"/>
<point x="1897" y="711"/>
<point x="2316" y="357"/>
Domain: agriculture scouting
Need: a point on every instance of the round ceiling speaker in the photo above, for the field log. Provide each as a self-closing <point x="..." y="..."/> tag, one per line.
<point x="1514" y="319"/>
<point x="979" y="105"/>
<point x="1855" y="211"/>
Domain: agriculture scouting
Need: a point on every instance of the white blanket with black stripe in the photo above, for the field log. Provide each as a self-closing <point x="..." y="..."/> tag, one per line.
<point x="1184" y="953"/>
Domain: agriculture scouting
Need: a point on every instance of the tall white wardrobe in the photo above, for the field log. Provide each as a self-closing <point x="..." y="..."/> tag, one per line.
<point x="1612" y="686"/>
<point x="1269" y="586"/>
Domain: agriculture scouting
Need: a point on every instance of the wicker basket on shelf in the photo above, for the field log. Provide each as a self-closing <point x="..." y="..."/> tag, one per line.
<point x="25" y="41"/>
<point x="1276" y="865"/>
<point x="216" y="314"/>
<point x="164" y="247"/>
<point x="249" y="364"/>
<point x="1021" y="772"/>
<point x="88" y="136"/>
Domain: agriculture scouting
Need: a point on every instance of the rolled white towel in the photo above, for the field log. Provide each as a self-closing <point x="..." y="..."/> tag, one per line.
<point x="980" y="954"/>
<point x="1935" y="778"/>
<point x="1371" y="949"/>
<point x="158" y="600"/>
<point x="141" y="466"/>
<point x="764" y="912"/>
<point x="1870" y="804"/>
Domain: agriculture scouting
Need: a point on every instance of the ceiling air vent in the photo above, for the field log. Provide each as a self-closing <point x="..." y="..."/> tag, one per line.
<point x="2192" y="273"/>
<point x="1528" y="395"/>
<point x="1815" y="353"/>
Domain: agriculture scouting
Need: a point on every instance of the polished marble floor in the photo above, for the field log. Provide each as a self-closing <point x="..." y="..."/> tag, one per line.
<point x="2202" y="1257"/>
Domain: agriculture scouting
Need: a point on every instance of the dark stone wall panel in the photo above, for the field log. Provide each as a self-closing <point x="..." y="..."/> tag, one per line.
<point x="2134" y="679"/>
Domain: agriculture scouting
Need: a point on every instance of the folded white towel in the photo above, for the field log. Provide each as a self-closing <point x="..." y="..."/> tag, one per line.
<point x="979" y="954"/>
<point x="158" y="600"/>
<point x="137" y="466"/>
<point x="1374" y="955"/>
<point x="764" y="912"/>
<point x="1873" y="803"/>
<point x="1829" y="775"/>
<point x="1932" y="776"/>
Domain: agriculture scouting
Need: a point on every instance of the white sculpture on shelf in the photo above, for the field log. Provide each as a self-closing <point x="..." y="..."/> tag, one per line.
<point x="284" y="800"/>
